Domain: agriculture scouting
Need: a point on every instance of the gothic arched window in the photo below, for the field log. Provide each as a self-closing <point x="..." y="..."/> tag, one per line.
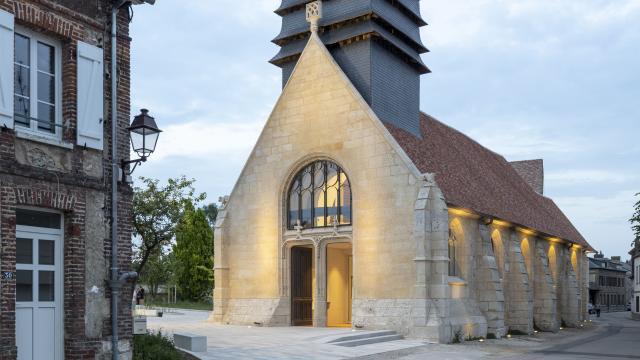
<point x="452" y="254"/>
<point x="320" y="196"/>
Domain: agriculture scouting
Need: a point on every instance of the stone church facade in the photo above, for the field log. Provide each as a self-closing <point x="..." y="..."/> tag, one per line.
<point x="356" y="209"/>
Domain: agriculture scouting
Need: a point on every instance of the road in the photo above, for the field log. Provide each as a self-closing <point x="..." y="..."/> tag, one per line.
<point x="617" y="337"/>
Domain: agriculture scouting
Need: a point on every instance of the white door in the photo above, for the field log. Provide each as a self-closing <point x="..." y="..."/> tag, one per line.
<point x="39" y="292"/>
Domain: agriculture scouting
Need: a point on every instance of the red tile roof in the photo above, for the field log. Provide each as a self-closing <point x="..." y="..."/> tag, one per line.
<point x="473" y="177"/>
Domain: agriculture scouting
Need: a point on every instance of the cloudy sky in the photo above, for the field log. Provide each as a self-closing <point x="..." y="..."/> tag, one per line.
<point x="552" y="79"/>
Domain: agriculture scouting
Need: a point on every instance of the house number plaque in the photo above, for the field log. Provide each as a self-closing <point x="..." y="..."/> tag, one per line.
<point x="7" y="275"/>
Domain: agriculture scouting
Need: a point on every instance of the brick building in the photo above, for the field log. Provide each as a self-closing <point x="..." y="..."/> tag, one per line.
<point x="356" y="209"/>
<point x="609" y="283"/>
<point x="55" y="176"/>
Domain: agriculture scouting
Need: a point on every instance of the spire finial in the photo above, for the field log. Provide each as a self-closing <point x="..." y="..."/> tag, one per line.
<point x="314" y="14"/>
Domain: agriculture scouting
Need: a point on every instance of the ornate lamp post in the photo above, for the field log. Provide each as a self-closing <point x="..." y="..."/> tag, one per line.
<point x="144" y="135"/>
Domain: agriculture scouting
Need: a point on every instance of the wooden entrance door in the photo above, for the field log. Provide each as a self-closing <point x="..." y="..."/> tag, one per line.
<point x="301" y="286"/>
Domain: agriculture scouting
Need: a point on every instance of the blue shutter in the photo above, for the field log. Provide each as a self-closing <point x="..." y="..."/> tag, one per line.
<point x="6" y="69"/>
<point x="90" y="96"/>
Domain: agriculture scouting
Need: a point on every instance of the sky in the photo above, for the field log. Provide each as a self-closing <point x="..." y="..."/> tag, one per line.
<point x="551" y="79"/>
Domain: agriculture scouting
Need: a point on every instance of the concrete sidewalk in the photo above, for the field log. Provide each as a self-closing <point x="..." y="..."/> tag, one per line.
<point x="250" y="342"/>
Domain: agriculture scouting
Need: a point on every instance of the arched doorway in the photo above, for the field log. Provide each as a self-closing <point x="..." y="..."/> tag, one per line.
<point x="318" y="233"/>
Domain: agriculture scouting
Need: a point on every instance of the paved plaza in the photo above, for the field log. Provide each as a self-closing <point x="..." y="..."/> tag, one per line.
<point x="613" y="336"/>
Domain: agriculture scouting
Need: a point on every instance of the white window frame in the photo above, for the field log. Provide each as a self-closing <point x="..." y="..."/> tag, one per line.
<point x="32" y="131"/>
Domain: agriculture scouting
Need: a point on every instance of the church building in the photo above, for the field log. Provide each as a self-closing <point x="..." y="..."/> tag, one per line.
<point x="355" y="209"/>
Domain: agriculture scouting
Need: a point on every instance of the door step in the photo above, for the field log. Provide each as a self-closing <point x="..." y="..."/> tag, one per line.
<point x="366" y="339"/>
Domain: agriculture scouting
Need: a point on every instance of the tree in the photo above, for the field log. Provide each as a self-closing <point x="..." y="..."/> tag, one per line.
<point x="156" y="211"/>
<point x="158" y="271"/>
<point x="193" y="252"/>
<point x="211" y="211"/>
<point x="635" y="222"/>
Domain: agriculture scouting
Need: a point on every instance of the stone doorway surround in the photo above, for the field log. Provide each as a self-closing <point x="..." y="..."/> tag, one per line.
<point x="318" y="238"/>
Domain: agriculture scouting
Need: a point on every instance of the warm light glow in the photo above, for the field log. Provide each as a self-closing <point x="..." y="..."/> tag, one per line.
<point x="339" y="275"/>
<point x="501" y="223"/>
<point x="526" y="231"/>
<point x="463" y="212"/>
<point x="553" y="262"/>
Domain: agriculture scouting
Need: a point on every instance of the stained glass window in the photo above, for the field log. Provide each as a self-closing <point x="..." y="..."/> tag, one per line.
<point x="319" y="196"/>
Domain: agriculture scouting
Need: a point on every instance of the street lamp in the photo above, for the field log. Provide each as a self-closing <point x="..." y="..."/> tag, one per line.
<point x="144" y="135"/>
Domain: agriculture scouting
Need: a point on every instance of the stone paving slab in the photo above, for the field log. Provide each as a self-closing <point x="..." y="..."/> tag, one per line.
<point x="595" y="341"/>
<point x="250" y="342"/>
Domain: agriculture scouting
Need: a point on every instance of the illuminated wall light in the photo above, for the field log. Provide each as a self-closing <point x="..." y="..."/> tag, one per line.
<point x="463" y="212"/>
<point x="501" y="223"/>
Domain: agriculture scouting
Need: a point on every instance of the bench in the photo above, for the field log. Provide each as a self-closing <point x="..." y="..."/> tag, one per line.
<point x="190" y="342"/>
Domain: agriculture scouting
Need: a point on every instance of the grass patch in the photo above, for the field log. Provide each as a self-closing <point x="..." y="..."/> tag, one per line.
<point x="189" y="305"/>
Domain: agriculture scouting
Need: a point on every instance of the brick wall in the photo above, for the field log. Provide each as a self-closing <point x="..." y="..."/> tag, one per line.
<point x="23" y="184"/>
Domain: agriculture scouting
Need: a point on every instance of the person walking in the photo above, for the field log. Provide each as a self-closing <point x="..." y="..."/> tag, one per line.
<point x="140" y="296"/>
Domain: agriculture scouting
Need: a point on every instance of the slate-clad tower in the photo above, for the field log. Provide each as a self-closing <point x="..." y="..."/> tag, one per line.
<point x="376" y="43"/>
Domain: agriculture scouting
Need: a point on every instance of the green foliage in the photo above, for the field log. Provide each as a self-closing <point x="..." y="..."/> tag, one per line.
<point x="158" y="271"/>
<point x="635" y="223"/>
<point x="181" y="304"/>
<point x="154" y="347"/>
<point x="156" y="211"/>
<point x="211" y="211"/>
<point x="194" y="256"/>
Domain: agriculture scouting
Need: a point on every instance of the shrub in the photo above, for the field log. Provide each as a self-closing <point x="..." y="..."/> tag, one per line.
<point x="154" y="347"/>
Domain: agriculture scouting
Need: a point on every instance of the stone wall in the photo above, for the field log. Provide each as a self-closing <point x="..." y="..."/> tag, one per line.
<point x="517" y="284"/>
<point x="72" y="180"/>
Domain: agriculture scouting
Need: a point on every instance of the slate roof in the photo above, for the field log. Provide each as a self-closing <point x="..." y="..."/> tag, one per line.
<point x="532" y="171"/>
<point x="475" y="178"/>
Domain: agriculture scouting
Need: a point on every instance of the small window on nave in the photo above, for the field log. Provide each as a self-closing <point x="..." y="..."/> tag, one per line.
<point x="320" y="196"/>
<point x="453" y="262"/>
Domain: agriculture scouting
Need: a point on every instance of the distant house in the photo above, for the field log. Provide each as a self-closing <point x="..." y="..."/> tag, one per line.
<point x="609" y="283"/>
<point x="635" y="278"/>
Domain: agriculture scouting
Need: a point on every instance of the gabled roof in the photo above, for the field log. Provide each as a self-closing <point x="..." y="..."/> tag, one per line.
<point x="475" y="178"/>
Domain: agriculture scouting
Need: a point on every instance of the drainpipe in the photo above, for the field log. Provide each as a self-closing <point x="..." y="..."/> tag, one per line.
<point x="115" y="171"/>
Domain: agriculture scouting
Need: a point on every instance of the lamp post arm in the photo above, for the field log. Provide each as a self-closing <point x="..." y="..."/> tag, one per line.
<point x="136" y="162"/>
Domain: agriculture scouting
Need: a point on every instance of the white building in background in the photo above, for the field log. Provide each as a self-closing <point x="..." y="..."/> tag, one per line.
<point x="635" y="263"/>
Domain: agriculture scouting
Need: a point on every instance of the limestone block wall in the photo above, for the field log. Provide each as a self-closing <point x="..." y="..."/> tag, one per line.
<point x="319" y="116"/>
<point x="489" y="291"/>
<point x="518" y="287"/>
<point x="570" y="309"/>
<point x="545" y="308"/>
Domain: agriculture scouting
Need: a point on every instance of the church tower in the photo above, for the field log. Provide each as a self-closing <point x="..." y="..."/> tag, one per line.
<point x="376" y="43"/>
